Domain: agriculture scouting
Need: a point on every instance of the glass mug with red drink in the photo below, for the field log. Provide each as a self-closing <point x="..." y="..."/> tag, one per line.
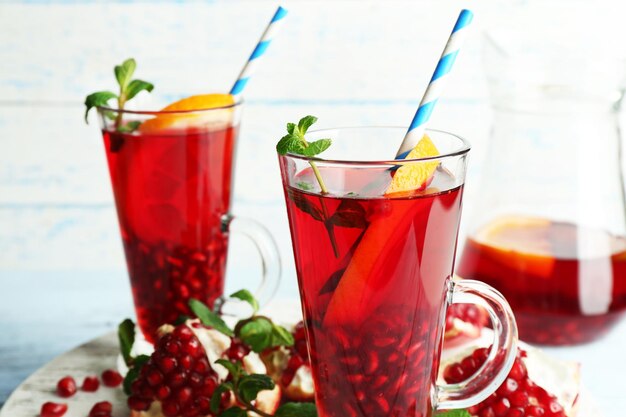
<point x="171" y="173"/>
<point x="374" y="272"/>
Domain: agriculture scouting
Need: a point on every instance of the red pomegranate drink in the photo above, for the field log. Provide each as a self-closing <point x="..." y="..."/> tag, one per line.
<point x="172" y="190"/>
<point x="566" y="283"/>
<point x="374" y="272"/>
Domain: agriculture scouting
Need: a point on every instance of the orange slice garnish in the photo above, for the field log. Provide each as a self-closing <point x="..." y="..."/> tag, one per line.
<point x="415" y="176"/>
<point x="164" y="122"/>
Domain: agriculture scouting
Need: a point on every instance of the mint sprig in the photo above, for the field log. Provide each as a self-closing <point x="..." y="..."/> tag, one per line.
<point x="128" y="89"/>
<point x="294" y="142"/>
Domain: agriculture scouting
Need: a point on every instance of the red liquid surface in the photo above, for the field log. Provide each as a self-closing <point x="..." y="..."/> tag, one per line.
<point x="374" y="309"/>
<point x="566" y="284"/>
<point x="171" y="192"/>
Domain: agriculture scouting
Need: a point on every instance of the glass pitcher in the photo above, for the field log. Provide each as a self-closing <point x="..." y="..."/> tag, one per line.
<point x="548" y="228"/>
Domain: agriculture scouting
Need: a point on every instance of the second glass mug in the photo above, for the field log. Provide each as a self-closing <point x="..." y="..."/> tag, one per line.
<point x="374" y="274"/>
<point x="171" y="174"/>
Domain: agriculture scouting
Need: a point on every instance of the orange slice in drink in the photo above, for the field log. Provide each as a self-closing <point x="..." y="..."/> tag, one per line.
<point x="358" y="289"/>
<point x="164" y="122"/>
<point x="417" y="175"/>
<point x="521" y="243"/>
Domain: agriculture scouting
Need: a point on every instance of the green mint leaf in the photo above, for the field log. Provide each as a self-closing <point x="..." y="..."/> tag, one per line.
<point x="281" y="336"/>
<point x="133" y="373"/>
<point x="129" y="127"/>
<point x="305" y="205"/>
<point x="216" y="398"/>
<point x="250" y="385"/>
<point x="101" y="98"/>
<point x="296" y="410"/>
<point x="257" y="333"/>
<point x="245" y="295"/>
<point x="305" y="123"/>
<point x="289" y="144"/>
<point x="234" y="412"/>
<point x="290" y="128"/>
<point x="136" y="86"/>
<point x="306" y="186"/>
<point x="317" y="147"/>
<point x="124" y="72"/>
<point x="126" y="337"/>
<point x="454" y="413"/>
<point x="350" y="213"/>
<point x="233" y="368"/>
<point x="209" y="318"/>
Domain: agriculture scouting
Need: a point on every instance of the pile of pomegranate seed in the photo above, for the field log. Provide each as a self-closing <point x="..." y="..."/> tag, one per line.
<point x="178" y="375"/>
<point x="237" y="350"/>
<point x="469" y="313"/>
<point x="51" y="409"/>
<point x="518" y="396"/>
<point x="66" y="387"/>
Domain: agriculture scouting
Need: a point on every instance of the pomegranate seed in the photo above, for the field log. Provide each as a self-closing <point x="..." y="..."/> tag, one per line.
<point x="66" y="387"/>
<point x="201" y="366"/>
<point x="204" y="403"/>
<point x="172" y="347"/>
<point x="51" y="409"/>
<point x="101" y="409"/>
<point x="534" y="411"/>
<point x="163" y="392"/>
<point x="166" y="364"/>
<point x="191" y="347"/>
<point x="91" y="384"/>
<point x="170" y="409"/>
<point x="154" y="377"/>
<point x="183" y="333"/>
<point x="519" y="399"/>
<point x="501" y="407"/>
<point x="487" y="412"/>
<point x="186" y="362"/>
<point x="183" y="395"/>
<point x="137" y="403"/>
<point x="111" y="378"/>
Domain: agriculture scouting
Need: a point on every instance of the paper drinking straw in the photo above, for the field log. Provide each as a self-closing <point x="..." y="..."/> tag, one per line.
<point x="259" y="51"/>
<point x="436" y="84"/>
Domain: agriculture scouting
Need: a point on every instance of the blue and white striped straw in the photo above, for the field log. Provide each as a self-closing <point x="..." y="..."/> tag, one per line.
<point x="435" y="87"/>
<point x="258" y="52"/>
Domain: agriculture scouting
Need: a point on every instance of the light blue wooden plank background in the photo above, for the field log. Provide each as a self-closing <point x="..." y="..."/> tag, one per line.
<point x="62" y="277"/>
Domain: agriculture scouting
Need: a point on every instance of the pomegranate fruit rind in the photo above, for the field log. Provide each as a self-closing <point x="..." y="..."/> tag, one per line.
<point x="415" y="176"/>
<point x="220" y="115"/>
<point x="202" y="367"/>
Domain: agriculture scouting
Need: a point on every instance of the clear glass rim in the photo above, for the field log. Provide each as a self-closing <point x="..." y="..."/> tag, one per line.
<point x="463" y="149"/>
<point x="237" y="103"/>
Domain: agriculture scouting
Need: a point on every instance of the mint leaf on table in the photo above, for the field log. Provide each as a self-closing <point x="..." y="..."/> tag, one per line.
<point x="245" y="295"/>
<point x="296" y="410"/>
<point x="128" y="89"/>
<point x="209" y="318"/>
<point x="261" y="333"/>
<point x="126" y="337"/>
<point x="453" y="413"/>
<point x="250" y="385"/>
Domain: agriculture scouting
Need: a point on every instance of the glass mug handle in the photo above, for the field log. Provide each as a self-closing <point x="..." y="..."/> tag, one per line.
<point x="501" y="355"/>
<point x="268" y="251"/>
